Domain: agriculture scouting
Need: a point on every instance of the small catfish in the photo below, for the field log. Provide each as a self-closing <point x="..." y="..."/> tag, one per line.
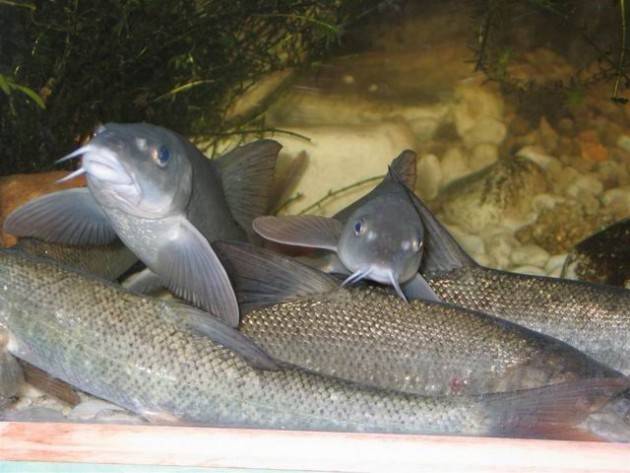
<point x="380" y="237"/>
<point x="165" y="200"/>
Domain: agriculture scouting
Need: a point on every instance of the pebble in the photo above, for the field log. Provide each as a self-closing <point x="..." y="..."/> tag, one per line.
<point x="483" y="155"/>
<point x="453" y="165"/>
<point x="429" y="176"/>
<point x="532" y="255"/>
<point x="555" y="262"/>
<point x="546" y="201"/>
<point x="500" y="247"/>
<point x="487" y="130"/>
<point x="556" y="273"/>
<point x="539" y="157"/>
<point x="586" y="183"/>
<point x="548" y="136"/>
<point x="472" y="244"/>
<point x="531" y="270"/>
<point x="472" y="103"/>
<point x="624" y="142"/>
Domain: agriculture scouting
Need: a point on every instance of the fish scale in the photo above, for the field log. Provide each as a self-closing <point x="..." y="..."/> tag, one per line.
<point x="368" y="335"/>
<point x="595" y="319"/>
<point x="127" y="349"/>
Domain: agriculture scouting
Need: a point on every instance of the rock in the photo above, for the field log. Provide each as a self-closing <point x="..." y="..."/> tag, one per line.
<point x="532" y="255"/>
<point x="453" y="166"/>
<point x="500" y="247"/>
<point x="617" y="201"/>
<point x="483" y="155"/>
<point x="555" y="262"/>
<point x="472" y="104"/>
<point x="539" y="157"/>
<point x="566" y="126"/>
<point x="546" y="201"/>
<point x="624" y="142"/>
<point x="17" y="189"/>
<point x="585" y="183"/>
<point x="471" y="244"/>
<point x="608" y="173"/>
<point x="592" y="149"/>
<point x="555" y="273"/>
<point x="485" y="131"/>
<point x="531" y="270"/>
<point x="565" y="177"/>
<point x="339" y="156"/>
<point x="499" y="194"/>
<point x="589" y="202"/>
<point x="429" y="176"/>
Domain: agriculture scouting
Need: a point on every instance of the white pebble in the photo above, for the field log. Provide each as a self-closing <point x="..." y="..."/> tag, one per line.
<point x="453" y="165"/>
<point x="624" y="142"/>
<point x="471" y="244"/>
<point x="619" y="196"/>
<point x="556" y="273"/>
<point x="483" y="155"/>
<point x="586" y="183"/>
<point x="348" y="79"/>
<point x="500" y="248"/>
<point x="486" y="130"/>
<point x="555" y="262"/>
<point x="546" y="201"/>
<point x="532" y="255"/>
<point x="537" y="156"/>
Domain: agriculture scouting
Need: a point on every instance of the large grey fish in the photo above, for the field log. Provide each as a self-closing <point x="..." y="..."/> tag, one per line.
<point x="172" y="363"/>
<point x="593" y="318"/>
<point x="380" y="237"/>
<point x="368" y="335"/>
<point x="165" y="200"/>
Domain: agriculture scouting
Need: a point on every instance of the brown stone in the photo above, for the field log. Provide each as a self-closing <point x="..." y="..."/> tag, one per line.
<point x="17" y="189"/>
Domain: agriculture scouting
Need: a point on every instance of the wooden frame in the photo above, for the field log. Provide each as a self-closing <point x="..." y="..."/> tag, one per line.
<point x="299" y="451"/>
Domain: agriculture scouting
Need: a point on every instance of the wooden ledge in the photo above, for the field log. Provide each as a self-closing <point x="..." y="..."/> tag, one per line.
<point x="304" y="451"/>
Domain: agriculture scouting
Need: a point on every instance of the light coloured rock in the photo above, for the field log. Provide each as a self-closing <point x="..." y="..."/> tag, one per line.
<point x="486" y="130"/>
<point x="500" y="247"/>
<point x="529" y="255"/>
<point x="102" y="411"/>
<point x="429" y="176"/>
<point x="340" y="156"/>
<point x="483" y="155"/>
<point x="585" y="183"/>
<point x="566" y="177"/>
<point x="555" y="262"/>
<point x="624" y="142"/>
<point x="531" y="270"/>
<point x="484" y="260"/>
<point x="617" y="201"/>
<point x="472" y="244"/>
<point x="546" y="201"/>
<point x="555" y="273"/>
<point x="548" y="136"/>
<point x="538" y="156"/>
<point x="454" y="165"/>
<point x="29" y="391"/>
<point x="590" y="203"/>
<point x="473" y="103"/>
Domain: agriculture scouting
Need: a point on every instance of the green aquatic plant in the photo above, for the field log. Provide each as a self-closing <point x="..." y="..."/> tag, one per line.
<point x="179" y="63"/>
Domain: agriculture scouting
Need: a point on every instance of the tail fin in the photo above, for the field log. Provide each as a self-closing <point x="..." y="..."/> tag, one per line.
<point x="247" y="175"/>
<point x="261" y="277"/>
<point x="552" y="411"/>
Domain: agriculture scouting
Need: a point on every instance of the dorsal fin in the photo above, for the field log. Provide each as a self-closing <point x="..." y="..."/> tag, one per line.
<point x="247" y="176"/>
<point x="404" y="166"/>
<point x="261" y="277"/>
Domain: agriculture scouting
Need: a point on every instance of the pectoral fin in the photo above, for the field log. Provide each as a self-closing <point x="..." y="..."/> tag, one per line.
<point x="191" y="269"/>
<point x="71" y="217"/>
<point x="418" y="288"/>
<point x="300" y="230"/>
<point x="218" y="332"/>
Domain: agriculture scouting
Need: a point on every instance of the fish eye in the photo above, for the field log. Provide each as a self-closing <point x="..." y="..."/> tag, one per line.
<point x="161" y="156"/>
<point x="359" y="228"/>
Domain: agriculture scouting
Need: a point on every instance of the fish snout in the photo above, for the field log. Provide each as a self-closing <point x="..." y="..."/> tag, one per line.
<point x="103" y="164"/>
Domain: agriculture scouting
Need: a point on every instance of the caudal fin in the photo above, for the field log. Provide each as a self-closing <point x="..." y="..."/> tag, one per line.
<point x="261" y="277"/>
<point x="554" y="411"/>
<point x="247" y="175"/>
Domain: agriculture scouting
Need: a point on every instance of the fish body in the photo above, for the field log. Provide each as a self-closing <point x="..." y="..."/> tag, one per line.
<point x="133" y="351"/>
<point x="368" y="335"/>
<point x="154" y="190"/>
<point x="380" y="237"/>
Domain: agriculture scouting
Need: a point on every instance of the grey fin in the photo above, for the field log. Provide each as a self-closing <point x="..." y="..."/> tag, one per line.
<point x="285" y="182"/>
<point x="551" y="411"/>
<point x="191" y="269"/>
<point x="310" y="231"/>
<point x="247" y="177"/>
<point x="441" y="250"/>
<point x="327" y="263"/>
<point x="199" y="321"/>
<point x="262" y="277"/>
<point x="405" y="167"/>
<point x="143" y="282"/>
<point x="71" y="217"/>
<point x="418" y="288"/>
